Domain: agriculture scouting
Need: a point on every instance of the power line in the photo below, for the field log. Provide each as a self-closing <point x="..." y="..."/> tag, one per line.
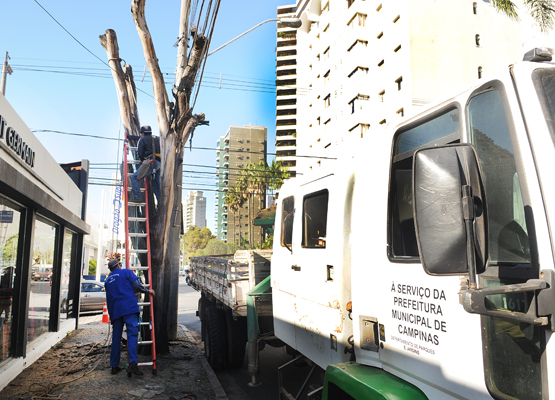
<point x="81" y="44"/>
<point x="193" y="147"/>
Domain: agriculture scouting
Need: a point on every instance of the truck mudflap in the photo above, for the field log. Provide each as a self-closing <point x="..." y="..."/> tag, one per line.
<point x="362" y="382"/>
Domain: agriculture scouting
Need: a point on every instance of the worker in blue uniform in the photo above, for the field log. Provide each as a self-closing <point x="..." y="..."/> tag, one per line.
<point x="123" y="308"/>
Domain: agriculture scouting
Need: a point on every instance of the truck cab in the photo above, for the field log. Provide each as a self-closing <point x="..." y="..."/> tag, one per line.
<point x="449" y="295"/>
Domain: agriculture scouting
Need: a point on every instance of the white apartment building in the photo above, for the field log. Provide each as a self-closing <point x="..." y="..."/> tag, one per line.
<point x="195" y="210"/>
<point x="355" y="66"/>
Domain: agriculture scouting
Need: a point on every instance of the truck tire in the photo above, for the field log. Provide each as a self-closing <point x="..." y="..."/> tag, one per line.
<point x="215" y="340"/>
<point x="236" y="340"/>
<point x="203" y="304"/>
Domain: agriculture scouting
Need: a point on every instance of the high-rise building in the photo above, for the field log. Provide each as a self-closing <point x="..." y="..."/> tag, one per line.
<point x="355" y="66"/>
<point x="286" y="91"/>
<point x="240" y="146"/>
<point x="195" y="210"/>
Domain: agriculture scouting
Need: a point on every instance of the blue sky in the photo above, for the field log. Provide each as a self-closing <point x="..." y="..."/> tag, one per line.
<point x="64" y="101"/>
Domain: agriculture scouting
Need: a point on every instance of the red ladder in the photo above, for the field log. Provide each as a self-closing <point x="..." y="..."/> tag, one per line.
<point x="137" y="215"/>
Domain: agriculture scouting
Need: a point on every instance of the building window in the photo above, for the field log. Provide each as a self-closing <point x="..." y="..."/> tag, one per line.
<point x="379" y="9"/>
<point x="357" y="69"/>
<point x="327" y="78"/>
<point x="360" y="43"/>
<point x="318" y="119"/>
<point x="327" y="101"/>
<point x="398" y="82"/>
<point x="326" y="28"/>
<point x="397" y="49"/>
<point x="381" y="63"/>
<point x="380" y="35"/>
<point x="42" y="267"/>
<point x="396" y="19"/>
<point x="381" y="95"/>
<point x="479" y="72"/>
<point x="318" y="57"/>
<point x="327" y="54"/>
<point x="401" y="113"/>
<point x="358" y="20"/>
<point x="326" y="9"/>
<point x="350" y="3"/>
<point x="326" y="125"/>
<point x="475" y="8"/>
<point x="477" y="40"/>
<point x="9" y="244"/>
<point x="358" y="103"/>
<point x="382" y="122"/>
<point x="362" y="128"/>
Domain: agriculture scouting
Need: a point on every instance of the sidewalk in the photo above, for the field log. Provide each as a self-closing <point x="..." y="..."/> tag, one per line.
<point x="183" y="371"/>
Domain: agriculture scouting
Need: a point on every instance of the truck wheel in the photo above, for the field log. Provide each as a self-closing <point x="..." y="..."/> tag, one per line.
<point x="236" y="340"/>
<point x="215" y="340"/>
<point x="203" y="304"/>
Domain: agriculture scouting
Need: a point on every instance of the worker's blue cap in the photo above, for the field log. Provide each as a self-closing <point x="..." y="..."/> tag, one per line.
<point x="112" y="264"/>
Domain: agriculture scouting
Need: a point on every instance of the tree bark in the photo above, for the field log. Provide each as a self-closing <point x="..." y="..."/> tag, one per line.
<point x="176" y="124"/>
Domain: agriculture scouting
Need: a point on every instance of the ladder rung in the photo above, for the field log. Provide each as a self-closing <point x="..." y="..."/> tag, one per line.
<point x="144" y="303"/>
<point x="144" y="323"/>
<point x="138" y="234"/>
<point x="133" y="148"/>
<point x="140" y="251"/>
<point x="133" y="162"/>
<point x="145" y="342"/>
<point x="133" y="204"/>
<point x="139" y="268"/>
<point x="144" y="364"/>
<point x="129" y="188"/>
<point x="136" y="219"/>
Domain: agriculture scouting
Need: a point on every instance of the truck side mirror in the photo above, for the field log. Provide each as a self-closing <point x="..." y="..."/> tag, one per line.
<point x="449" y="210"/>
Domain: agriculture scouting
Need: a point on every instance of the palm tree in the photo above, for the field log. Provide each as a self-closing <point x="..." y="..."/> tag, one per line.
<point x="234" y="201"/>
<point x="241" y="184"/>
<point x="278" y="174"/>
<point x="543" y="11"/>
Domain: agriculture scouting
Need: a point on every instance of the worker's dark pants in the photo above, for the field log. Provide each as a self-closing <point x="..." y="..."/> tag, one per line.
<point x="131" y="321"/>
<point x="136" y="185"/>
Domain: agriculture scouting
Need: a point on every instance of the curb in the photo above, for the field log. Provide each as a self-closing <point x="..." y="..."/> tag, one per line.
<point x="216" y="385"/>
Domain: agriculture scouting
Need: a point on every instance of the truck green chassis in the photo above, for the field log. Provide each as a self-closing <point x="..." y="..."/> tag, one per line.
<point x="363" y="382"/>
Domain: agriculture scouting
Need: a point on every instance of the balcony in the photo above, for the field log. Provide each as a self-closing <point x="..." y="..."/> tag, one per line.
<point x="283" y="64"/>
<point x="226" y="148"/>
<point x="226" y="156"/>
<point x="225" y="188"/>
<point x="226" y="164"/>
<point x="218" y="159"/>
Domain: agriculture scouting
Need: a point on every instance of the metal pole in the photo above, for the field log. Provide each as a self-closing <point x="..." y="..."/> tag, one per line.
<point x="243" y="34"/>
<point x="6" y="69"/>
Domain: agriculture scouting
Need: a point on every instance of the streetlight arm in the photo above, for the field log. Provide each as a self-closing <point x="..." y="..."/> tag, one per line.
<point x="290" y="22"/>
<point x="243" y="34"/>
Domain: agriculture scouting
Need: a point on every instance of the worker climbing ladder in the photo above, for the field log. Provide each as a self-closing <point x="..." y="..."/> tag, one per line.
<point x="137" y="246"/>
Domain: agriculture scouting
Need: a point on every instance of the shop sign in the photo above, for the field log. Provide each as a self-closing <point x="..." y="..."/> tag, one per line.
<point x="6" y="217"/>
<point x="15" y="142"/>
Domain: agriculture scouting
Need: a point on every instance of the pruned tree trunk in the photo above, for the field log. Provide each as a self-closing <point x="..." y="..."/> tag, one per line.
<point x="176" y="123"/>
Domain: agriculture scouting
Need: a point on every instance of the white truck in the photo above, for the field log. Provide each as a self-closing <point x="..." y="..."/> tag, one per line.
<point x="423" y="267"/>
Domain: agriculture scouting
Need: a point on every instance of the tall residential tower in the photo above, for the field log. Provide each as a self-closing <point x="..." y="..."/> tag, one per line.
<point x="240" y="146"/>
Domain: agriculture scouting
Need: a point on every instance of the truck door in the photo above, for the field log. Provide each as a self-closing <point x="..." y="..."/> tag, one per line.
<point x="513" y="352"/>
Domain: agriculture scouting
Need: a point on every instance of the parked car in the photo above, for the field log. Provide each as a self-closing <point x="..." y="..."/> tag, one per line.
<point x="42" y="274"/>
<point x="93" y="296"/>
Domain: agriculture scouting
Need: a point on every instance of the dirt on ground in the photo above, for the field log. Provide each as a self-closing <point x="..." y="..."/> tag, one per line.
<point x="79" y="368"/>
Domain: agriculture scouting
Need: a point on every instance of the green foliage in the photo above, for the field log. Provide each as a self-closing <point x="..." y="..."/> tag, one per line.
<point x="9" y="252"/>
<point x="267" y="244"/>
<point x="196" y="239"/>
<point x="92" y="267"/>
<point x="543" y="11"/>
<point x="218" y="247"/>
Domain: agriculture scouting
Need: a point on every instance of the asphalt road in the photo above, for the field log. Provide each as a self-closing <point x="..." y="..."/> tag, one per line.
<point x="235" y="381"/>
